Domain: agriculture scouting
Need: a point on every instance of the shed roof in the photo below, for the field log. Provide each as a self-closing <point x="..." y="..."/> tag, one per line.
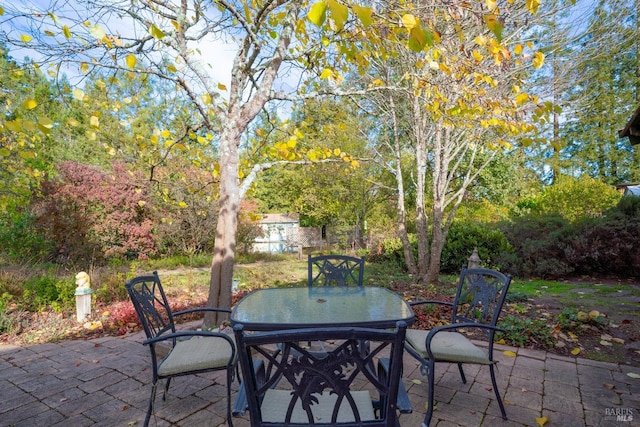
<point x="279" y="218"/>
<point x="632" y="129"/>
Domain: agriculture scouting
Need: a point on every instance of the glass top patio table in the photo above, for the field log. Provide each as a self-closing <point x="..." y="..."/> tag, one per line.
<point x="321" y="306"/>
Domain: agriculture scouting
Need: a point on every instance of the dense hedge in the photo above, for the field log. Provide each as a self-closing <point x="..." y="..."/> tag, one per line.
<point x="545" y="245"/>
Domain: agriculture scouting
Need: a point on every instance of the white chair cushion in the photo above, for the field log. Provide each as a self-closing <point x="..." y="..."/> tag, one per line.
<point x="275" y="404"/>
<point x="447" y="347"/>
<point x="195" y="354"/>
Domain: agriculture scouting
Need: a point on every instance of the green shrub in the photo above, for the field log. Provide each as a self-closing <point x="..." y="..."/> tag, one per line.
<point x="572" y="198"/>
<point x="42" y="292"/>
<point x="463" y="237"/>
<point x="22" y="240"/>
<point x="540" y="242"/>
<point x="7" y="323"/>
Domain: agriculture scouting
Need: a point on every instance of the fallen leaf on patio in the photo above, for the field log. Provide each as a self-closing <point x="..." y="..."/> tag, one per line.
<point x="501" y="341"/>
<point x="125" y="407"/>
<point x="542" y="421"/>
<point x="606" y="337"/>
<point x="64" y="399"/>
<point x="618" y="340"/>
<point x="606" y="343"/>
<point x="633" y="375"/>
<point x="524" y="390"/>
<point x="488" y="388"/>
<point x="416" y="381"/>
<point x="78" y="363"/>
<point x="96" y="345"/>
<point x="575" y="351"/>
<point x="609" y="386"/>
<point x="509" y="353"/>
<point x="506" y="401"/>
<point x="132" y="423"/>
<point x="95" y="361"/>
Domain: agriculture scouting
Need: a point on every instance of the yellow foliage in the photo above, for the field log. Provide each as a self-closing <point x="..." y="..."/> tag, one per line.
<point x="409" y="21"/>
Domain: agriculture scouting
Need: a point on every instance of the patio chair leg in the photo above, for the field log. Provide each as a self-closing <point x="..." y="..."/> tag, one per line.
<point x="495" y="388"/>
<point x="464" y="379"/>
<point x="152" y="399"/>
<point x="166" y="389"/>
<point x="431" y="397"/>
<point x="230" y="374"/>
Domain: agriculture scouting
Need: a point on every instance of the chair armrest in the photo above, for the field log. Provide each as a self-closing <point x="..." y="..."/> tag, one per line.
<point x="195" y="310"/>
<point x="191" y="334"/>
<point x="414" y="303"/>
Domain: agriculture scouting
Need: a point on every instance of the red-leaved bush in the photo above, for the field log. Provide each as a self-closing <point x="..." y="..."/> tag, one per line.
<point x="92" y="214"/>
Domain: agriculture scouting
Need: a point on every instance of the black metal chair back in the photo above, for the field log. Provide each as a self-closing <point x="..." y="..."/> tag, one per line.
<point x="151" y="305"/>
<point x="295" y="387"/>
<point x="335" y="270"/>
<point x="480" y="296"/>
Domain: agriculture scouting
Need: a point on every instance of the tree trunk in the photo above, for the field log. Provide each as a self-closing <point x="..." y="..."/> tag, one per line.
<point x="422" y="221"/>
<point x="225" y="239"/>
<point x="400" y="207"/>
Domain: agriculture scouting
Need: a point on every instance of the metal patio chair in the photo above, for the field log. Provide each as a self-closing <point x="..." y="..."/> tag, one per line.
<point x="340" y="387"/>
<point x="477" y="305"/>
<point x="189" y="352"/>
<point x="335" y="270"/>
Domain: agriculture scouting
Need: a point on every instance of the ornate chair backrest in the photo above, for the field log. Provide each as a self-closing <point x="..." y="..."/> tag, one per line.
<point x="300" y="387"/>
<point x="335" y="270"/>
<point x="480" y="295"/>
<point x="150" y="302"/>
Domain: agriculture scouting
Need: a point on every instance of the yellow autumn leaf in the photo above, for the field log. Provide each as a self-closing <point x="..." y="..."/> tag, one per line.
<point x="336" y="151"/>
<point x="73" y="122"/>
<point x="339" y="13"/>
<point x="409" y="21"/>
<point x="633" y="375"/>
<point x="494" y="25"/>
<point x="509" y="353"/>
<point x="575" y="351"/>
<point x="538" y="59"/>
<point x="542" y="421"/>
<point x="317" y="13"/>
<point x="501" y="341"/>
<point x="364" y="14"/>
<point x="84" y="67"/>
<point x="416" y="381"/>
<point x="131" y="61"/>
<point x="156" y="32"/>
<point x="533" y="5"/>
<point x="165" y="133"/>
<point x="45" y="125"/>
<point x="25" y="38"/>
<point x="30" y="104"/>
<point x="94" y="121"/>
<point x="171" y="68"/>
<point x="1" y="11"/>
<point x="66" y="32"/>
<point x="182" y="204"/>
<point x="522" y="98"/>
<point x="326" y="73"/>
<point x="477" y="56"/>
<point x="518" y="49"/>
<point x="491" y="4"/>
<point x="221" y="86"/>
<point x="78" y="94"/>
